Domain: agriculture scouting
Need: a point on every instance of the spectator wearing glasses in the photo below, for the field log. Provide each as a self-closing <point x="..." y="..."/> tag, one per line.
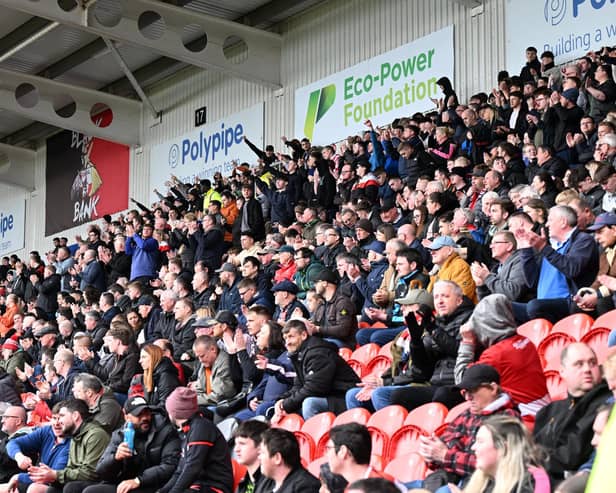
<point x="13" y="426"/>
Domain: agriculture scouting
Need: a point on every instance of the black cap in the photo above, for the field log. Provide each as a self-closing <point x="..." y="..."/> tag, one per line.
<point x="327" y="276"/>
<point x="226" y="317"/>
<point x="478" y="375"/>
<point x="285" y="285"/>
<point x="146" y="299"/>
<point x="136" y="405"/>
<point x="388" y="204"/>
<point x="49" y="329"/>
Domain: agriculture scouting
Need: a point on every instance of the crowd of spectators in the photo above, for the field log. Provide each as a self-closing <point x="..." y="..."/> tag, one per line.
<point x="232" y="300"/>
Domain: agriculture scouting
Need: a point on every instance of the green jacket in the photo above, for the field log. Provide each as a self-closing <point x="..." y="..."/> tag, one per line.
<point x="305" y="278"/>
<point x="87" y="447"/>
<point x="17" y="360"/>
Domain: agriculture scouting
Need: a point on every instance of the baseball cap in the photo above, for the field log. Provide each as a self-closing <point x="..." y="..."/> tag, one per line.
<point x="605" y="219"/>
<point x="136" y="405"/>
<point x="376" y="246"/>
<point x="285" y="285"/>
<point x="442" y="241"/>
<point x="47" y="330"/>
<point x="146" y="299"/>
<point x="416" y="297"/>
<point x="226" y="267"/>
<point x="226" y="317"/>
<point x="571" y="94"/>
<point x="286" y="249"/>
<point x="205" y="322"/>
<point x="477" y="375"/>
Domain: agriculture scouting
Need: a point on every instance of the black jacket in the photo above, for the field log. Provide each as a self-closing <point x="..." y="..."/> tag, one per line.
<point x="320" y="372"/>
<point x="157" y="456"/>
<point x="118" y="266"/>
<point x="164" y="326"/>
<point x="209" y="247"/>
<point x="205" y="461"/>
<point x="165" y="381"/>
<point x="48" y="289"/>
<point x="298" y="481"/>
<point x="256" y="223"/>
<point x="564" y="429"/>
<point x="118" y="374"/>
<point x="8" y="389"/>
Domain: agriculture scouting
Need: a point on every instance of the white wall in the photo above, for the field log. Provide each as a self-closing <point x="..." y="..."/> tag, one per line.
<point x="328" y="38"/>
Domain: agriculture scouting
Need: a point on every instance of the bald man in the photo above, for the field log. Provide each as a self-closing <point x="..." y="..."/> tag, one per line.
<point x="13" y="426"/>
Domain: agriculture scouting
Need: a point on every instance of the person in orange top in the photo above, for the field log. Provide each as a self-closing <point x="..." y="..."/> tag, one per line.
<point x="6" y="320"/>
<point x="229" y="212"/>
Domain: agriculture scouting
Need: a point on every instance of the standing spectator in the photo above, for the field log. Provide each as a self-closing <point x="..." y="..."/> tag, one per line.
<point x="92" y="273"/>
<point x="144" y="252"/>
<point x="601" y="92"/>
<point x="250" y="217"/>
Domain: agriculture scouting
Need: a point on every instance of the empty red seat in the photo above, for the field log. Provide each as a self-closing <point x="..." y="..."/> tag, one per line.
<point x="291" y="422"/>
<point x="345" y="353"/>
<point x="407" y="468"/>
<point x="607" y="320"/>
<point x="427" y="417"/>
<point x="404" y="441"/>
<point x="311" y="432"/>
<point x="383" y="424"/>
<point x="550" y="349"/>
<point x="575" y="325"/>
<point x="378" y="365"/>
<point x="597" y="339"/>
<point x="355" y="415"/>
<point x="365" y="353"/>
<point x="556" y="385"/>
<point x="535" y="330"/>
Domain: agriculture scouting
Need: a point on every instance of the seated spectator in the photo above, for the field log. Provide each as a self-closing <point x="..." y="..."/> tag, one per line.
<point x="205" y="462"/>
<point x="558" y="265"/>
<point x="102" y="405"/>
<point x="117" y="371"/>
<point x="183" y="334"/>
<point x="451" y="455"/>
<point x="247" y="438"/>
<point x="281" y="464"/>
<point x="451" y="267"/>
<point x="88" y="442"/>
<point x="287" y="304"/>
<point x="564" y="427"/>
<point x="159" y="378"/>
<point x="506" y="459"/>
<point x="151" y="462"/>
<point x="48" y="443"/>
<point x="322" y="376"/>
<point x="213" y="381"/>
<point x="13" y="357"/>
<point x="14" y="421"/>
<point x="348" y="452"/>
<point x="64" y="364"/>
<point x="8" y="389"/>
<point x="491" y="333"/>
<point x="273" y="362"/>
<point x="507" y="276"/>
<point x="371" y="485"/>
<point x="307" y="269"/>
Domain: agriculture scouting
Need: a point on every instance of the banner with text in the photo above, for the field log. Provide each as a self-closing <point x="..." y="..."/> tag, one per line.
<point x="388" y="86"/>
<point x="568" y="28"/>
<point x="12" y="225"/>
<point x="86" y="178"/>
<point x="211" y="148"/>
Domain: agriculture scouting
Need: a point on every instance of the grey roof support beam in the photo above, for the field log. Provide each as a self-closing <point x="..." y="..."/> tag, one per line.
<point x="71" y="107"/>
<point x="167" y="36"/>
<point x="17" y="166"/>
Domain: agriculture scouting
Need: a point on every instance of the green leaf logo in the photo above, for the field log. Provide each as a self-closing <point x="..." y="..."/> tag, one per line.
<point x="319" y="102"/>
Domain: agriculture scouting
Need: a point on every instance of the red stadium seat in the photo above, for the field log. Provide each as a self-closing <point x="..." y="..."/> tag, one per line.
<point x="290" y="422"/>
<point x="345" y="353"/>
<point x="386" y="349"/>
<point x="597" y="340"/>
<point x="407" y="468"/>
<point x="535" y="330"/>
<point x="575" y="325"/>
<point x="378" y="365"/>
<point x="556" y="386"/>
<point x="239" y="471"/>
<point x="550" y="348"/>
<point x="314" y="467"/>
<point x="355" y="415"/>
<point x="383" y="424"/>
<point x="358" y="367"/>
<point x="311" y="432"/>
<point x="404" y="441"/>
<point x="427" y="417"/>
<point x="454" y="412"/>
<point x="365" y="353"/>
<point x="607" y="320"/>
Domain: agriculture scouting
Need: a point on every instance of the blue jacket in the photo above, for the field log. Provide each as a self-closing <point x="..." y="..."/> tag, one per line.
<point x="40" y="441"/>
<point x="93" y="275"/>
<point x="277" y="379"/>
<point x="145" y="256"/>
<point x="368" y="285"/>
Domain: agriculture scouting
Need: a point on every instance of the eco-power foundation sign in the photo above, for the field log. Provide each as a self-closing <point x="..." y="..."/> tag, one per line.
<point x="216" y="147"/>
<point x="393" y="84"/>
<point x="568" y="28"/>
<point x="12" y="225"/>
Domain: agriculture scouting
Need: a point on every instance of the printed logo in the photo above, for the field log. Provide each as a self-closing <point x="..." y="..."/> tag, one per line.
<point x="554" y="11"/>
<point x="174" y="155"/>
<point x="319" y="102"/>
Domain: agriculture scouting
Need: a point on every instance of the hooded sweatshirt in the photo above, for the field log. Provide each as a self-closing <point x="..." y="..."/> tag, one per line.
<point x="514" y="356"/>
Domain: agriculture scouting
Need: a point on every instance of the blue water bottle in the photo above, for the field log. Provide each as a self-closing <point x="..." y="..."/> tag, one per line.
<point x="129" y="436"/>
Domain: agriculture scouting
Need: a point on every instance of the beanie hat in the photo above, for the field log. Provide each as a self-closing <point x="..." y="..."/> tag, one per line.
<point x="571" y="94"/>
<point x="10" y="344"/>
<point x="181" y="403"/>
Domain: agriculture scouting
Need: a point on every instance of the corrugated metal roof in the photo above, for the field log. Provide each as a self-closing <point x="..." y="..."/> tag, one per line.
<point x="101" y="69"/>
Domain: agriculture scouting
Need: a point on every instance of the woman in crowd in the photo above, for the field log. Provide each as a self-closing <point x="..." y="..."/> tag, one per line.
<point x="507" y="461"/>
<point x="159" y="378"/>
